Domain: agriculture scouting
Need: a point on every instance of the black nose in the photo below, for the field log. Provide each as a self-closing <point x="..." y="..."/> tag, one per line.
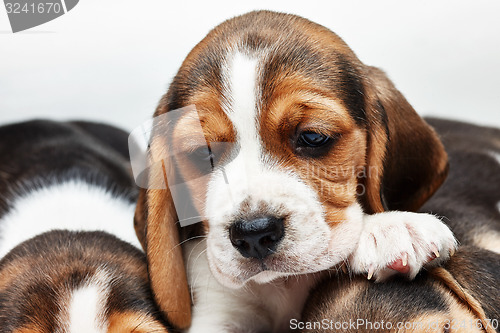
<point x="257" y="238"/>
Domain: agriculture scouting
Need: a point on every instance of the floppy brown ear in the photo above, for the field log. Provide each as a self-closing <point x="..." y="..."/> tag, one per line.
<point x="406" y="160"/>
<point x="474" y="277"/>
<point x="464" y="295"/>
<point x="157" y="228"/>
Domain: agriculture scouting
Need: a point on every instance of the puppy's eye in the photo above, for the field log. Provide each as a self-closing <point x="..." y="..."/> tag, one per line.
<point x="203" y="153"/>
<point x="312" y="139"/>
<point x="311" y="144"/>
<point x="203" y="159"/>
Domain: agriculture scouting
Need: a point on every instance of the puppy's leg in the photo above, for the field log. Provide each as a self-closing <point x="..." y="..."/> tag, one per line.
<point x="403" y="242"/>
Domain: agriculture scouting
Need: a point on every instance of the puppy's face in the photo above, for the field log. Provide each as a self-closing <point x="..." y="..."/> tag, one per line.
<point x="282" y="196"/>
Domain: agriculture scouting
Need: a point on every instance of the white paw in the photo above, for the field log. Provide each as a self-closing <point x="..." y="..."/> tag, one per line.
<point x="401" y="242"/>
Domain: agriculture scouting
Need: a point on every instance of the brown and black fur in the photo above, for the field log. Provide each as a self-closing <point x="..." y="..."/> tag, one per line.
<point x="469" y="283"/>
<point x="40" y="153"/>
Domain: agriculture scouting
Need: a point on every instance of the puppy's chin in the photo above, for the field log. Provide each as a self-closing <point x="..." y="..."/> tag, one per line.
<point x="261" y="278"/>
<point x="253" y="273"/>
<point x="258" y="276"/>
<point x="227" y="280"/>
<point x="267" y="276"/>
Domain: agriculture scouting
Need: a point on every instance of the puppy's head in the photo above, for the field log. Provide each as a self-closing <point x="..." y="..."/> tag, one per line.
<point x="312" y="136"/>
<point x="64" y="281"/>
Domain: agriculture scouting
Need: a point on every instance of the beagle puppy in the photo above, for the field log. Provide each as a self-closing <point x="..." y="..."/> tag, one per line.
<point x="70" y="261"/>
<point x="463" y="296"/>
<point x="314" y="160"/>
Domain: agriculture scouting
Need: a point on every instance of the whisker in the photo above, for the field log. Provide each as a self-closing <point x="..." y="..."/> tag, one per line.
<point x="184" y="241"/>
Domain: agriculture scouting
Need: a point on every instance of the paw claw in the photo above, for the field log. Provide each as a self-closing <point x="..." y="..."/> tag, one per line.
<point x="435" y="250"/>
<point x="370" y="272"/>
<point x="400" y="265"/>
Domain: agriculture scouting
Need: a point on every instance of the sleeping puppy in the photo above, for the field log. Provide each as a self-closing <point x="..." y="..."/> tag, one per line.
<point x="302" y="142"/>
<point x="70" y="261"/>
<point x="463" y="294"/>
<point x="462" y="297"/>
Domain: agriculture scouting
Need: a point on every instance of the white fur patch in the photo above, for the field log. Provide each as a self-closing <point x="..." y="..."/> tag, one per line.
<point x="253" y="308"/>
<point x="388" y="236"/>
<point x="87" y="306"/>
<point x="495" y="155"/>
<point x="489" y="241"/>
<point x="243" y="112"/>
<point x="74" y="205"/>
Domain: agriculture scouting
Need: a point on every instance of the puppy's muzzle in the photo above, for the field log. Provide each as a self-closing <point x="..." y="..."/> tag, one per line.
<point x="257" y="238"/>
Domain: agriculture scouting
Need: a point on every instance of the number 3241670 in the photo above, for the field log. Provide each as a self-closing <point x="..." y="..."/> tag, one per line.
<point x="40" y="8"/>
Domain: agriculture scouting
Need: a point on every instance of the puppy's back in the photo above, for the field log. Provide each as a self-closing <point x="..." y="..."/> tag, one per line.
<point x="469" y="199"/>
<point x="64" y="175"/>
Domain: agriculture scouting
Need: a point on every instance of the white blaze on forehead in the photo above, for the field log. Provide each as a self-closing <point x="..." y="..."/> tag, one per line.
<point x="242" y="111"/>
<point x="240" y="78"/>
<point x="87" y="306"/>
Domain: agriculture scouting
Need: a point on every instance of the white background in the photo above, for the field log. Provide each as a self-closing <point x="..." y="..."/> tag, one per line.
<point x="111" y="60"/>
